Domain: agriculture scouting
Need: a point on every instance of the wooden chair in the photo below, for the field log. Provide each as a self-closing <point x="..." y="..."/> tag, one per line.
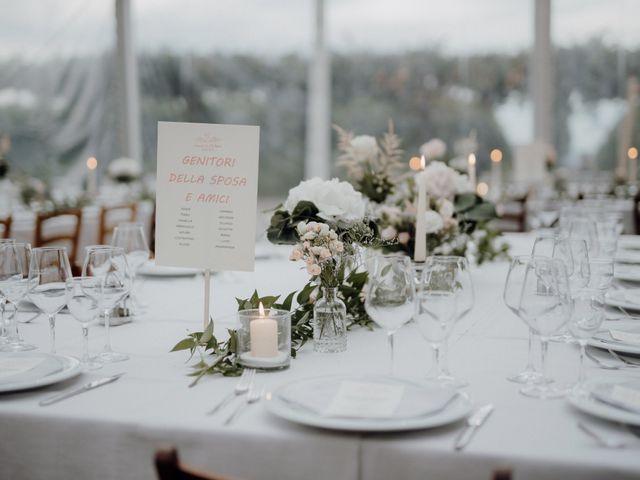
<point x="514" y="219"/>
<point x="502" y="474"/>
<point x="112" y="215"/>
<point x="169" y="467"/>
<point x="61" y="233"/>
<point x="6" y="227"/>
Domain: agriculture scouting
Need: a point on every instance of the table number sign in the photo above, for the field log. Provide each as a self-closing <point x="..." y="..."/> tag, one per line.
<point x="206" y="198"/>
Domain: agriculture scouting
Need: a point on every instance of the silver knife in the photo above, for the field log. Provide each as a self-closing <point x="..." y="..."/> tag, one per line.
<point x="76" y="391"/>
<point x="475" y="420"/>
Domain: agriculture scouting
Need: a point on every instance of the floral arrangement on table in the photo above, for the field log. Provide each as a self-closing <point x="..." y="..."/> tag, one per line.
<point x="456" y="219"/>
<point x="124" y="170"/>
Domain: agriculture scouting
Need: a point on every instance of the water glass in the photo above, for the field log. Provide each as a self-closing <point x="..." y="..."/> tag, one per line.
<point x="586" y="317"/>
<point x="83" y="302"/>
<point x="109" y="264"/>
<point x="390" y="294"/>
<point x="131" y="238"/>
<point x="445" y="296"/>
<point x="14" y="284"/>
<point x="49" y="271"/>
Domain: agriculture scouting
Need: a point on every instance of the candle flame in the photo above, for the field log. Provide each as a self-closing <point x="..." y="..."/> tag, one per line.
<point x="495" y="155"/>
<point x="472" y="159"/>
<point x="92" y="163"/>
<point x="632" y="153"/>
<point x="261" y="309"/>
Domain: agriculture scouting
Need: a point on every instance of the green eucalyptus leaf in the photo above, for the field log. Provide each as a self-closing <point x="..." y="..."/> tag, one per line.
<point x="185" y="344"/>
<point x="465" y="201"/>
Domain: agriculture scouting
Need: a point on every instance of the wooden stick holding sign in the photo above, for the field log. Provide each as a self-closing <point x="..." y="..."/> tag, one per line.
<point x="207" y="297"/>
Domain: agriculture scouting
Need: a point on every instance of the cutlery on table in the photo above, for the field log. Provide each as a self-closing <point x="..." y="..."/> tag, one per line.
<point x="475" y="421"/>
<point x="84" y="388"/>
<point x="602" y="439"/>
<point x="602" y="363"/>
<point x="253" y="395"/>
<point x="241" y="388"/>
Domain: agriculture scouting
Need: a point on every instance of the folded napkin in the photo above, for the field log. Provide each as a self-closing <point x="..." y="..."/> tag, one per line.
<point x="623" y="395"/>
<point x="366" y="398"/>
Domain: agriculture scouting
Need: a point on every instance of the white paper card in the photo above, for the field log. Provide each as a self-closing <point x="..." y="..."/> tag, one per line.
<point x="365" y="400"/>
<point x="206" y="196"/>
<point x="626" y="337"/>
<point x="628" y="396"/>
<point x="13" y="366"/>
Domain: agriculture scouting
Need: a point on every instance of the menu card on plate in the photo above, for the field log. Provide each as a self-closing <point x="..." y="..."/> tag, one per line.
<point x="206" y="198"/>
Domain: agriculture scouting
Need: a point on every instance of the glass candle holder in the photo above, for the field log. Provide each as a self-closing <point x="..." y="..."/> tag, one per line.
<point x="264" y="338"/>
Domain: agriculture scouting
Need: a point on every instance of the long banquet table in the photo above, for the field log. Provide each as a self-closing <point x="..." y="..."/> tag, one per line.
<point x="112" y="432"/>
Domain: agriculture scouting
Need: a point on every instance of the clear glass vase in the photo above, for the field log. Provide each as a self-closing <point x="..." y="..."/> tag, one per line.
<point x="329" y="322"/>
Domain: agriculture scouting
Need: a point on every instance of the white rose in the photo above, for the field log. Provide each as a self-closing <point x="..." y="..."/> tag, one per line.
<point x="433" y="221"/>
<point x="388" y="233"/>
<point x="441" y="180"/>
<point x="314" y="269"/>
<point x="364" y="147"/>
<point x="434" y="148"/>
<point x="335" y="200"/>
<point x="445" y="208"/>
<point x="390" y="213"/>
<point x="463" y="184"/>
<point x="403" y="238"/>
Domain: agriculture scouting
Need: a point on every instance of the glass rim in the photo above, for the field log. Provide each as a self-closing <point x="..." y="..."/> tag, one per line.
<point x="48" y="249"/>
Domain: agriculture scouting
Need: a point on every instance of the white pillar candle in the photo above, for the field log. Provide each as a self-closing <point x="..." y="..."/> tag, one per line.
<point x="472" y="170"/>
<point x="496" y="177"/>
<point x="92" y="181"/>
<point x="263" y="332"/>
<point x="420" y="249"/>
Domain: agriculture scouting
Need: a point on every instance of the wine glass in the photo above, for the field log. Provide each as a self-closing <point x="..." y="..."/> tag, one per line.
<point x="14" y="284"/>
<point x="131" y="238"/>
<point x="445" y="296"/>
<point x="48" y="272"/>
<point x="511" y="295"/>
<point x="586" y="317"/>
<point x="390" y="294"/>
<point x="83" y="302"/>
<point x="601" y="273"/>
<point x="109" y="264"/>
<point x="545" y="305"/>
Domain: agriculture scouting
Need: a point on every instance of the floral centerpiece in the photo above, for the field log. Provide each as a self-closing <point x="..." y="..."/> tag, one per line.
<point x="326" y="223"/>
<point x="457" y="221"/>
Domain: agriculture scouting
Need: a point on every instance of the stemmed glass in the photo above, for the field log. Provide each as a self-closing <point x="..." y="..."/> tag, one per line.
<point x="601" y="273"/>
<point x="511" y="295"/>
<point x="83" y="302"/>
<point x="14" y="284"/>
<point x="109" y="264"/>
<point x="445" y="296"/>
<point x="390" y="294"/>
<point x="4" y="332"/>
<point x="131" y="238"/>
<point x="545" y="305"/>
<point x="585" y="320"/>
<point x="48" y="272"/>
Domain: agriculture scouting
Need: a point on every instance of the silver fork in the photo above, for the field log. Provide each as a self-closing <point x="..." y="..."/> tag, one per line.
<point x="254" y="395"/>
<point x="622" y="359"/>
<point x="241" y="387"/>
<point x="601" y="363"/>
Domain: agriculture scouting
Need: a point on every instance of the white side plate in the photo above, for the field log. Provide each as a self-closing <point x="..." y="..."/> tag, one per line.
<point x="44" y="369"/>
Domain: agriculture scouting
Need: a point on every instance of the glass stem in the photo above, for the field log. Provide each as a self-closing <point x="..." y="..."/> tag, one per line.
<point x="544" y="346"/>
<point x="52" y="332"/>
<point x="437" y="360"/>
<point x="107" y="344"/>
<point x="11" y="327"/>
<point x="443" y="367"/>
<point x="581" y="372"/>
<point x="390" y="341"/>
<point x="530" y="365"/>
<point x="85" y="344"/>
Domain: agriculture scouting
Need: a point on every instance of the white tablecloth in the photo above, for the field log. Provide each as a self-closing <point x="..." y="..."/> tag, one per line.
<point x="112" y="432"/>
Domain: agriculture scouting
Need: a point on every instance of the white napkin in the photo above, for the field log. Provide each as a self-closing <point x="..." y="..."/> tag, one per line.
<point x="632" y="296"/>
<point x="390" y="399"/>
<point x="626" y="337"/>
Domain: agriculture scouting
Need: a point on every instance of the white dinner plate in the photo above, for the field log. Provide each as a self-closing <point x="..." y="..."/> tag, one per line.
<point x="627" y="273"/>
<point x="150" y="269"/>
<point x="295" y="402"/>
<point x="598" y="401"/>
<point x="627" y="299"/>
<point x="630" y="242"/>
<point x="604" y="340"/>
<point x="628" y="257"/>
<point x="26" y="370"/>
